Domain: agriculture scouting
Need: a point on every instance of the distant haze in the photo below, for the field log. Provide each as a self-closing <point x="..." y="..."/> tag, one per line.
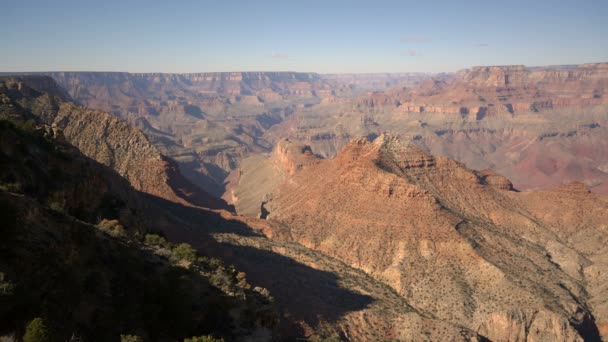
<point x="317" y="36"/>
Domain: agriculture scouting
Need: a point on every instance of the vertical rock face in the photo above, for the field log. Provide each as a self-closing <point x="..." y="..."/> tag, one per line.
<point x="457" y="244"/>
<point x="496" y="76"/>
<point x="514" y="89"/>
<point x="292" y="157"/>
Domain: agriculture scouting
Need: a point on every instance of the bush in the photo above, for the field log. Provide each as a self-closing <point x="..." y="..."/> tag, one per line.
<point x="6" y="288"/>
<point x="130" y="338"/>
<point x="56" y="206"/>
<point x="207" y="338"/>
<point x="183" y="251"/>
<point x="156" y="240"/>
<point x="215" y="263"/>
<point x="29" y="126"/>
<point x="112" y="227"/>
<point x="12" y="187"/>
<point x="37" y="331"/>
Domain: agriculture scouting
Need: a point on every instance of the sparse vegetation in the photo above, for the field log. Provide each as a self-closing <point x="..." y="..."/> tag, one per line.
<point x="6" y="287"/>
<point x="156" y="240"/>
<point x="37" y="331"/>
<point x="183" y="251"/>
<point x="29" y="126"/>
<point x="207" y="338"/>
<point x="55" y="264"/>
<point x="131" y="338"/>
<point x="11" y="187"/>
<point x="56" y="206"/>
<point x="112" y="227"/>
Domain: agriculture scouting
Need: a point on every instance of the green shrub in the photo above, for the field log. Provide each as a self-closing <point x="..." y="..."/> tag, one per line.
<point x="6" y="288"/>
<point x="130" y="338"/>
<point x="215" y="263"/>
<point x="56" y="206"/>
<point x="12" y="187"/>
<point x="221" y="279"/>
<point x="183" y="251"/>
<point x="29" y="126"/>
<point x="156" y="240"/>
<point x="207" y="338"/>
<point x="112" y="227"/>
<point x="37" y="331"/>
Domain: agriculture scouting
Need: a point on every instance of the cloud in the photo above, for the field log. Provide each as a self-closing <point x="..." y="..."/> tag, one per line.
<point x="481" y="45"/>
<point x="415" y="39"/>
<point x="277" y="55"/>
<point x="411" y="53"/>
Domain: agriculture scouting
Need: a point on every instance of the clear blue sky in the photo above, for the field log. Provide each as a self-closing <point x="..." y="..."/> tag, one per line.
<point x="300" y="35"/>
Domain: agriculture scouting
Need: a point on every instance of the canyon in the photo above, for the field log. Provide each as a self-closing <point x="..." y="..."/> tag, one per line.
<point x="467" y="206"/>
<point x="59" y="183"/>
<point x="538" y="126"/>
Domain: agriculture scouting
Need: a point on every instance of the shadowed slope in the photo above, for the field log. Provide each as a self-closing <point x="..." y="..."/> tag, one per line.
<point x="104" y="138"/>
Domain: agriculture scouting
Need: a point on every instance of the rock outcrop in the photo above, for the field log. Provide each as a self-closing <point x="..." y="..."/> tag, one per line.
<point x="457" y="244"/>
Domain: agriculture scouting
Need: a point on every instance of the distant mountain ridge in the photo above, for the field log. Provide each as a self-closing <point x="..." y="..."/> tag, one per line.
<point x="540" y="126"/>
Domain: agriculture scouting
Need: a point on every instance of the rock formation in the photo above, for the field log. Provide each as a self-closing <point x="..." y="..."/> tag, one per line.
<point x="457" y="244"/>
<point x="63" y="193"/>
<point x="104" y="138"/>
<point x="540" y="127"/>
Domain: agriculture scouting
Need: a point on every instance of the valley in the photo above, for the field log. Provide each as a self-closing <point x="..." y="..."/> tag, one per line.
<point x="359" y="208"/>
<point x="540" y="127"/>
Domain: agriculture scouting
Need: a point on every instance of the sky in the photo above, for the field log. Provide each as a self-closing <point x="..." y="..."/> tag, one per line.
<point x="329" y="36"/>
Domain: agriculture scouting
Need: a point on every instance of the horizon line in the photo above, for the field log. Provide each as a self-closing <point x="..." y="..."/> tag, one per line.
<point x="297" y="72"/>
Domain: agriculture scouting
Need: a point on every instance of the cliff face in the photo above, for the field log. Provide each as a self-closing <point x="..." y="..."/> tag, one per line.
<point x="87" y="86"/>
<point x="207" y="122"/>
<point x="456" y="243"/>
<point x="540" y="127"/>
<point x="501" y="90"/>
<point x="507" y="118"/>
<point x="104" y="138"/>
<point x="508" y="90"/>
<point x="249" y="185"/>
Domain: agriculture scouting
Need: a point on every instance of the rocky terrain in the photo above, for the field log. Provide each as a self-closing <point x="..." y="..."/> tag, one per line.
<point x="460" y="245"/>
<point x="368" y="238"/>
<point x="206" y="122"/>
<point x="63" y="205"/>
<point x="209" y="122"/>
<point x="539" y="126"/>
